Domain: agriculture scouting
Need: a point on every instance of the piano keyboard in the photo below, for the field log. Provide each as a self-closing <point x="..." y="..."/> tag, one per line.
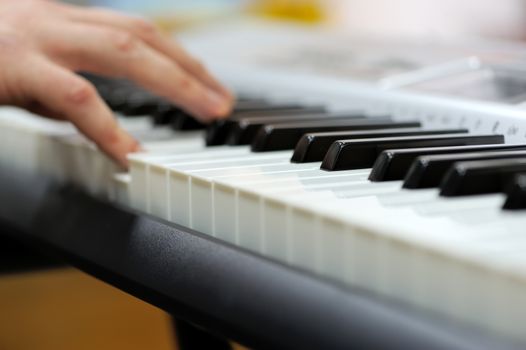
<point x="415" y="198"/>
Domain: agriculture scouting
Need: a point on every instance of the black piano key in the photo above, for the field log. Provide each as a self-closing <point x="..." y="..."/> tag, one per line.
<point x="117" y="99"/>
<point x="185" y="122"/>
<point x="244" y="98"/>
<point x="104" y="91"/>
<point x="393" y="164"/>
<point x="313" y="147"/>
<point x="242" y="109"/>
<point x="142" y="104"/>
<point x="166" y="114"/>
<point x="428" y="171"/>
<point x="361" y="154"/>
<point x="516" y="194"/>
<point x="254" y="106"/>
<point x="245" y="130"/>
<point x="480" y="177"/>
<point x="299" y="110"/>
<point x="218" y="132"/>
<point x="286" y="136"/>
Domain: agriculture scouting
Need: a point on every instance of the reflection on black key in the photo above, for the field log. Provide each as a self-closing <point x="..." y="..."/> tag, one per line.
<point x="360" y="154"/>
<point x="481" y="177"/>
<point x="393" y="164"/>
<point x="428" y="171"/>
<point x="516" y="194"/>
<point x="254" y="106"/>
<point x="245" y="130"/>
<point x="243" y="97"/>
<point x="313" y="147"/>
<point x="251" y="104"/>
<point x="218" y="131"/>
<point x="286" y="136"/>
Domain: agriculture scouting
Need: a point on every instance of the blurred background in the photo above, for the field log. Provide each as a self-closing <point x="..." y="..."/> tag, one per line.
<point x="65" y="309"/>
<point x="505" y="19"/>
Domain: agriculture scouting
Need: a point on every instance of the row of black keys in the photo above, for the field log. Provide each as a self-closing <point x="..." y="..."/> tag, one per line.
<point x="458" y="163"/>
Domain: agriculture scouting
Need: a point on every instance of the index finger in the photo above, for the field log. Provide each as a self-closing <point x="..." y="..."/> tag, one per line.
<point x="77" y="100"/>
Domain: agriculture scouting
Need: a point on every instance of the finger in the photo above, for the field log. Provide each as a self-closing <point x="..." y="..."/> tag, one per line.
<point x="36" y="107"/>
<point x="108" y="51"/>
<point x="75" y="99"/>
<point x="151" y="35"/>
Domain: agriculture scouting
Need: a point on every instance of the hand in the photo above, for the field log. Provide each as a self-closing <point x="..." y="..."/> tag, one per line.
<point x="42" y="43"/>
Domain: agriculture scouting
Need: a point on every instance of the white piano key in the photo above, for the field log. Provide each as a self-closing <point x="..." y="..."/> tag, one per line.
<point x="443" y="205"/>
<point x="224" y="213"/>
<point x="121" y="188"/>
<point x="333" y="238"/>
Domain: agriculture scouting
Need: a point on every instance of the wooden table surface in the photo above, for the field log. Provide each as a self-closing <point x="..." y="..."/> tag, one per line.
<point x="67" y="309"/>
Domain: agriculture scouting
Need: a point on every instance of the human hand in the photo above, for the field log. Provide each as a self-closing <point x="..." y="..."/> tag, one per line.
<point x="43" y="42"/>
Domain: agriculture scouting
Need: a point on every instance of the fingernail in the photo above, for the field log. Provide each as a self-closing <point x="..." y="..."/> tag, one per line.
<point x="217" y="105"/>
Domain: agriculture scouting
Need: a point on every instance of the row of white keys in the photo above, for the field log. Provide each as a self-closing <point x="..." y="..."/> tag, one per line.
<point x="255" y="230"/>
<point x="273" y="203"/>
<point x="179" y="181"/>
<point x="181" y="143"/>
<point x="202" y="209"/>
<point x="186" y="194"/>
<point x="359" y="207"/>
<point x="157" y="186"/>
<point x="450" y="257"/>
<point x="236" y="210"/>
<point x="140" y="165"/>
<point x="500" y="282"/>
<point x="378" y="245"/>
<point x="375" y="257"/>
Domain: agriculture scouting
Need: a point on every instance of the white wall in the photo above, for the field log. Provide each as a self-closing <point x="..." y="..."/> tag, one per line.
<point x="501" y="18"/>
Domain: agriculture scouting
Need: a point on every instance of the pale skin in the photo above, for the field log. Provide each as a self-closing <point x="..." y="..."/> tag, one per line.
<point x="43" y="42"/>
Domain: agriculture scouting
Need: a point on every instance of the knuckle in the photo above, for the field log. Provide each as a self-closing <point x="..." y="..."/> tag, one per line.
<point x="186" y="83"/>
<point x="124" y="42"/>
<point x="144" y="27"/>
<point x="80" y="92"/>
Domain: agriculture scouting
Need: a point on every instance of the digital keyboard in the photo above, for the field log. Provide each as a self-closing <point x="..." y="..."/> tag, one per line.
<point x="402" y="185"/>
